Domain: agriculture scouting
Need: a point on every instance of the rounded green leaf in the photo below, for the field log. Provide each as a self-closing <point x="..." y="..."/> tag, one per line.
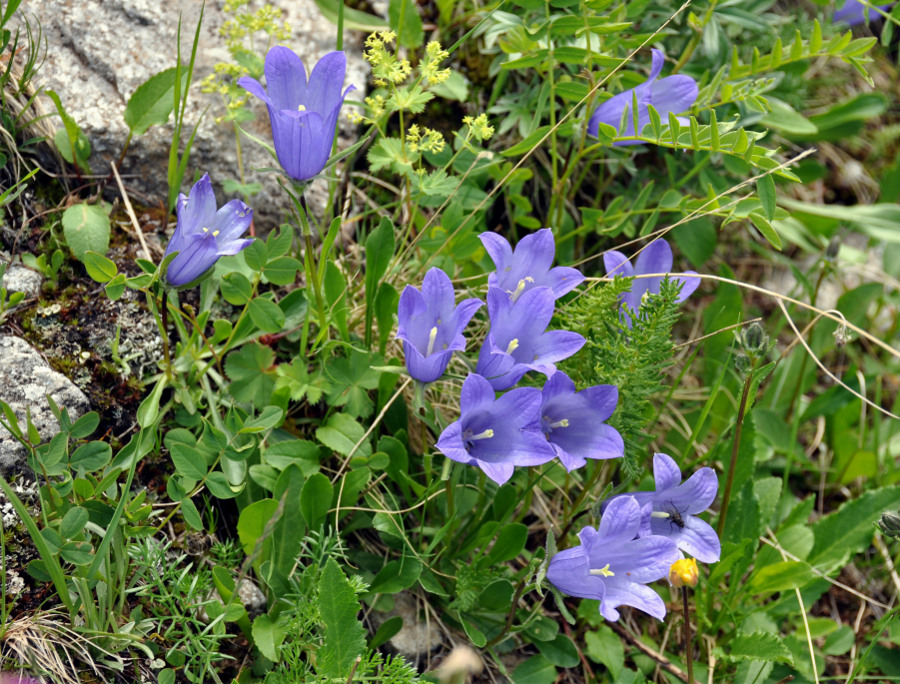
<point x="86" y="228"/>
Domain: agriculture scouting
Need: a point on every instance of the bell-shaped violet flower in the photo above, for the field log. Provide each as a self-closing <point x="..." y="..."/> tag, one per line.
<point x="654" y="258"/>
<point x="519" y="341"/>
<point x="853" y="12"/>
<point x="431" y="325"/>
<point x="204" y="233"/>
<point x="673" y="94"/>
<point x="574" y="422"/>
<point x="614" y="567"/>
<point x="303" y="114"/>
<point x="529" y="265"/>
<point x="675" y="506"/>
<point x="496" y="434"/>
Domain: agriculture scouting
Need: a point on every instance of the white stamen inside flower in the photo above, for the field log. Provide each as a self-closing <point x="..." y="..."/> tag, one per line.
<point x="301" y="108"/>
<point x="603" y="572"/>
<point x="432" y="336"/>
<point x="660" y="514"/>
<point x="487" y="434"/>
<point x="513" y="345"/>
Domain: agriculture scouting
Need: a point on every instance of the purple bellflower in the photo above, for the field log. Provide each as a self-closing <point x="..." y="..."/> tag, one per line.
<point x="574" y="422"/>
<point x="529" y="265"/>
<point x="303" y="114"/>
<point x="519" y="341"/>
<point x="204" y="233"/>
<point x="655" y="258"/>
<point x="672" y="94"/>
<point x="496" y="434"/>
<point x="431" y="325"/>
<point x="614" y="567"/>
<point x="675" y="507"/>
<point x="853" y="12"/>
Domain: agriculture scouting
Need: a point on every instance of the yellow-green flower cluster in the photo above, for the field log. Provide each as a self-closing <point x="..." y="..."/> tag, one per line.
<point x="478" y="127"/>
<point x="424" y="140"/>
<point x="386" y="68"/>
<point x="266" y="19"/>
<point x="375" y="104"/>
<point x="434" y="55"/>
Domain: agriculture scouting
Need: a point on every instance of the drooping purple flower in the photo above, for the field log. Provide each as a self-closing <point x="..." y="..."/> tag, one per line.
<point x="204" y="233"/>
<point x="303" y="114"/>
<point x="654" y="258"/>
<point x="612" y="566"/>
<point x="574" y="422"/>
<point x="519" y="341"/>
<point x="675" y="507"/>
<point x="529" y="265"/>
<point x="496" y="434"/>
<point x="853" y="12"/>
<point x="672" y="94"/>
<point x="431" y="325"/>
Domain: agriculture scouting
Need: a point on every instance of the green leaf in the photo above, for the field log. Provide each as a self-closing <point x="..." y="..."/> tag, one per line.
<point x="351" y="380"/>
<point x="186" y="458"/>
<point x="255" y="255"/>
<point x="527" y="144"/>
<point x="379" y="251"/>
<point x="759" y="646"/>
<point x="404" y="19"/>
<point x="268" y="635"/>
<point x="266" y="315"/>
<point x="73" y="522"/>
<point x="299" y="382"/>
<point x="250" y="372"/>
<point x="289" y="531"/>
<point x="456" y="87"/>
<point x="536" y="670"/>
<point x="396" y="576"/>
<point x="341" y="434"/>
<point x="153" y="101"/>
<point x="191" y="514"/>
<point x="765" y="187"/>
<point x="605" y="647"/>
<point x="781" y="576"/>
<point x="282" y="271"/>
<point x="315" y="500"/>
<point x="91" y="457"/>
<point x="510" y="543"/>
<point x="344" y="635"/>
<point x="85" y="426"/>
<point x="77" y="553"/>
<point x="561" y="651"/>
<point x="765" y="227"/>
<point x="270" y="417"/>
<point x="849" y="530"/>
<point x="387" y="631"/>
<point x="86" y="228"/>
<point x="252" y="523"/>
<point x="99" y="268"/>
<point x="236" y="288"/>
<point x="354" y="19"/>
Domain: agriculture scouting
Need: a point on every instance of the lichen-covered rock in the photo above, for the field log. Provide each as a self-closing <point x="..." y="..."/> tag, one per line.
<point x="25" y="381"/>
<point x="100" y="51"/>
<point x="21" y="279"/>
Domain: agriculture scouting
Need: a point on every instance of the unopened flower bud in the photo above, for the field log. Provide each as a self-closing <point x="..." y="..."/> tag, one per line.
<point x="889" y="525"/>
<point x="754" y="339"/>
<point x="684" y="573"/>
<point x="741" y="363"/>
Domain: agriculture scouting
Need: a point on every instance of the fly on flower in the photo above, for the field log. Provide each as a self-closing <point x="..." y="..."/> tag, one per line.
<point x="303" y="114"/>
<point x="204" y="233"/>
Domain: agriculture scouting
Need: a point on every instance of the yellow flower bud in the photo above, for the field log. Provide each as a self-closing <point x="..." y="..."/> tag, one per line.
<point x="683" y="573"/>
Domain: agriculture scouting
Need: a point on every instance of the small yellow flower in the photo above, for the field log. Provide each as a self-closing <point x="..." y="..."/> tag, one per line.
<point x="684" y="573"/>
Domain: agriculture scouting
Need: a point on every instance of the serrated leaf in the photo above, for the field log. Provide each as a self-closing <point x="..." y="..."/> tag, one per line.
<point x="759" y="646"/>
<point x="849" y="530"/>
<point x="300" y="383"/>
<point x="250" y="372"/>
<point x="344" y="635"/>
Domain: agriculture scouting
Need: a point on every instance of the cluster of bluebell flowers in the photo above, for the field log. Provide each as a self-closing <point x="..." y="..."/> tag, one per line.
<point x="640" y="537"/>
<point x="524" y="426"/>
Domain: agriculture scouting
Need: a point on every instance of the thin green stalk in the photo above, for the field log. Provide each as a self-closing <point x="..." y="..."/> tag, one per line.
<point x="726" y="497"/>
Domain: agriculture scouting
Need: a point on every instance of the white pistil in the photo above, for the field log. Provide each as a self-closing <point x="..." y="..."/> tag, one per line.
<point x="513" y="345"/>
<point x="487" y="434"/>
<point x="603" y="572"/>
<point x="558" y="424"/>
<point x="660" y="514"/>
<point x="432" y="336"/>
<point x="513" y="296"/>
<point x="301" y="108"/>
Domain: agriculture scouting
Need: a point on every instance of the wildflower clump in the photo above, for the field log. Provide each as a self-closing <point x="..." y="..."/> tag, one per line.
<point x="386" y="66"/>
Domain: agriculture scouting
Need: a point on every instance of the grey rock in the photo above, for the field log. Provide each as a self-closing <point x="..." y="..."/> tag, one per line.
<point x="25" y="381"/>
<point x="100" y="51"/>
<point x="21" y="279"/>
<point x="251" y="596"/>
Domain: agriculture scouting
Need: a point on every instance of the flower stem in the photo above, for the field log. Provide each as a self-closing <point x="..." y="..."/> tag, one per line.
<point x="164" y="329"/>
<point x="311" y="267"/>
<point x="688" y="637"/>
<point x="726" y="497"/>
